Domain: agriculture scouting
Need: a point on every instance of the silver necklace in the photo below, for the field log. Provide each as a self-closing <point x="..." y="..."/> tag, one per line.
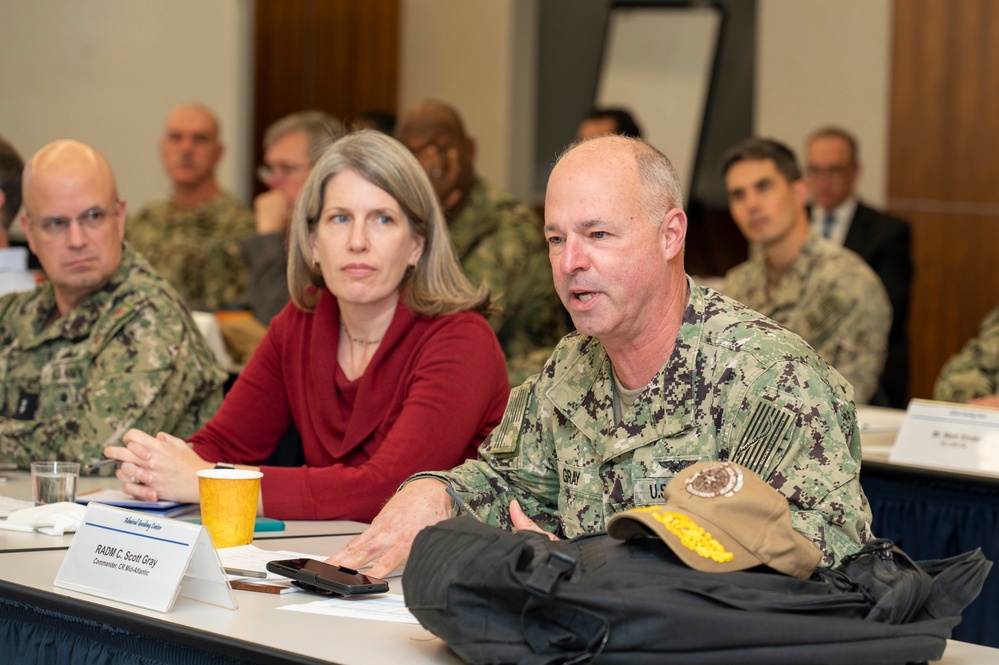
<point x="357" y="340"/>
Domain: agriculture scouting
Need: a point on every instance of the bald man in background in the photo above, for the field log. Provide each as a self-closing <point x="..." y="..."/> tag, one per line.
<point x="497" y="238"/>
<point x="105" y="344"/>
<point x="193" y="238"/>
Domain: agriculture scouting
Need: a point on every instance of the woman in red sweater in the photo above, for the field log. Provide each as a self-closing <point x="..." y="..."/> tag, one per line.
<point x="383" y="361"/>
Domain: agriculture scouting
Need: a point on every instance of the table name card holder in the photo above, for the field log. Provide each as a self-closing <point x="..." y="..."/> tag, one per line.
<point x="939" y="435"/>
<point x="143" y="560"/>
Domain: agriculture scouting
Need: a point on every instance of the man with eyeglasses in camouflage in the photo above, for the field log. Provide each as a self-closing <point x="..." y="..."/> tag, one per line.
<point x="105" y="344"/>
<point x="292" y="145"/>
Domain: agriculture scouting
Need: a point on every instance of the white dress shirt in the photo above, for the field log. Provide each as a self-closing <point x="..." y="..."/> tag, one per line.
<point x="842" y="216"/>
<point x="14" y="275"/>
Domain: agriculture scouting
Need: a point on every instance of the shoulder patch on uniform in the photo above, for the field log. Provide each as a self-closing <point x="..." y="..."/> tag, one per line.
<point x="503" y="440"/>
<point x="830" y="307"/>
<point x="761" y="437"/>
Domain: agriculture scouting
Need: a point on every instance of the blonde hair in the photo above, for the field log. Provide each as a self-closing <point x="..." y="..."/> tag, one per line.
<point x="436" y="286"/>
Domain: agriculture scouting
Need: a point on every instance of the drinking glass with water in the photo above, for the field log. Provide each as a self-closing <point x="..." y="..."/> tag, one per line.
<point x="52" y="482"/>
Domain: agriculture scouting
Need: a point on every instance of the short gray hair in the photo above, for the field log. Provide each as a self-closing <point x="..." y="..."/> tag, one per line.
<point x="319" y="127"/>
<point x="661" y="188"/>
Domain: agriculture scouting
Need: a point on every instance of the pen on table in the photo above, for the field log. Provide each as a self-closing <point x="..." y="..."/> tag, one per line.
<point x="100" y="465"/>
<point x="241" y="572"/>
<point x="461" y="504"/>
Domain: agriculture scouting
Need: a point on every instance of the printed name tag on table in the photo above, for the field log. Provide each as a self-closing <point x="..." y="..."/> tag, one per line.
<point x="952" y="436"/>
<point x="143" y="560"/>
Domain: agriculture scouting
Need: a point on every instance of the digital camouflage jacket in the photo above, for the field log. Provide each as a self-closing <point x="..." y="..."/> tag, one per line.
<point x="737" y="386"/>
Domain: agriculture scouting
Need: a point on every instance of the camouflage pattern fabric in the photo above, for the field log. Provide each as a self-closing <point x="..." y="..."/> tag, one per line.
<point x="974" y="370"/>
<point x="129" y="356"/>
<point x="196" y="249"/>
<point x="833" y="300"/>
<point x="737" y="387"/>
<point x="498" y="240"/>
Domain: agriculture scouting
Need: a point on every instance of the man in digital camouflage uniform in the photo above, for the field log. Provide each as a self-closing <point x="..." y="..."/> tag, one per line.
<point x="105" y="344"/>
<point x="193" y="239"/>
<point x="972" y="374"/>
<point x="815" y="288"/>
<point x="497" y="238"/>
<point x="661" y="374"/>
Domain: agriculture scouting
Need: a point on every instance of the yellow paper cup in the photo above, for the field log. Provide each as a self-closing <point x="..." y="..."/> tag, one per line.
<point x="229" y="504"/>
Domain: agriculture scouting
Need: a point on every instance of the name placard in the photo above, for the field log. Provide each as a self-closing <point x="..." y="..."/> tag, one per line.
<point x="952" y="436"/>
<point x="143" y="560"/>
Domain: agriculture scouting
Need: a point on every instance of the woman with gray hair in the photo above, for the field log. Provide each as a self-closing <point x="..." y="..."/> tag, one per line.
<point x="383" y="361"/>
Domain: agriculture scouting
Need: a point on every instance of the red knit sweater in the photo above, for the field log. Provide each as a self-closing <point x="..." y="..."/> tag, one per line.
<point x="432" y="392"/>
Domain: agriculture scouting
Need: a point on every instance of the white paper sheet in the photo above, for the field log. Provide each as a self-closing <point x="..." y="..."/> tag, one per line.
<point x="250" y="557"/>
<point x="388" y="607"/>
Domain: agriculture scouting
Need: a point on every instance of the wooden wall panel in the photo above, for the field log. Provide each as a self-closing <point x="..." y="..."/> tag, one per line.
<point x="340" y="56"/>
<point x="944" y="169"/>
<point x="956" y="284"/>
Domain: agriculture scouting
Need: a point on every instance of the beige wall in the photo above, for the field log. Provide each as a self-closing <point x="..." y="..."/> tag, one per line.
<point x="477" y="55"/>
<point x="827" y="63"/>
<point x="107" y="72"/>
<point x="817" y="63"/>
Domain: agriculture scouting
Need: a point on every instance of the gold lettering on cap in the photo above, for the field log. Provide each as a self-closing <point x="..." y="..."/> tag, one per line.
<point x="693" y="537"/>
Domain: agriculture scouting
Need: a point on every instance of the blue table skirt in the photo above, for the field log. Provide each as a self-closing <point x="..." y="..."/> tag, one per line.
<point x="42" y="628"/>
<point x="934" y="517"/>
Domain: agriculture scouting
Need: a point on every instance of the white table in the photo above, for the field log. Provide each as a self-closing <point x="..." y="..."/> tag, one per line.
<point x="256" y="632"/>
<point x="259" y="632"/>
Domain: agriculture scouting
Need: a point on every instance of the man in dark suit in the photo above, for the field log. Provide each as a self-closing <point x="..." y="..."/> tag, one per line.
<point x="884" y="242"/>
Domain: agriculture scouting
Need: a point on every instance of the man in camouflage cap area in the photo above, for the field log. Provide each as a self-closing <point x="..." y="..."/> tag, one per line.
<point x="817" y="289"/>
<point x="660" y="374"/>
<point x="193" y="239"/>
<point x="498" y="240"/>
<point x="972" y="374"/>
<point x="105" y="344"/>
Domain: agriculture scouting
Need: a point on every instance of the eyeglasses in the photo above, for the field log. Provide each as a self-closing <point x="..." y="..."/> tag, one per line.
<point x="267" y="171"/>
<point x="837" y="171"/>
<point x="90" y="220"/>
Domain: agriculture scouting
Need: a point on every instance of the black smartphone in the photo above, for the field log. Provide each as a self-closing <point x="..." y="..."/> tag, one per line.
<point x="327" y="578"/>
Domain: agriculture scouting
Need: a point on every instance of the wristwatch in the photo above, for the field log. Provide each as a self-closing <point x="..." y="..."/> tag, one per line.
<point x="223" y="465"/>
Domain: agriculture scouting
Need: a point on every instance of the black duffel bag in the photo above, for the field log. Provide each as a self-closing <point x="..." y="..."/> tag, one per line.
<point x="501" y="597"/>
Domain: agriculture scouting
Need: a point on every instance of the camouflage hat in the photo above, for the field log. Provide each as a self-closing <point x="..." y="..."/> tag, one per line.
<point x="721" y="517"/>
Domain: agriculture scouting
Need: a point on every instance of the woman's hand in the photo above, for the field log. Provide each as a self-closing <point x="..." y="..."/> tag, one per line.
<point x="160" y="468"/>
